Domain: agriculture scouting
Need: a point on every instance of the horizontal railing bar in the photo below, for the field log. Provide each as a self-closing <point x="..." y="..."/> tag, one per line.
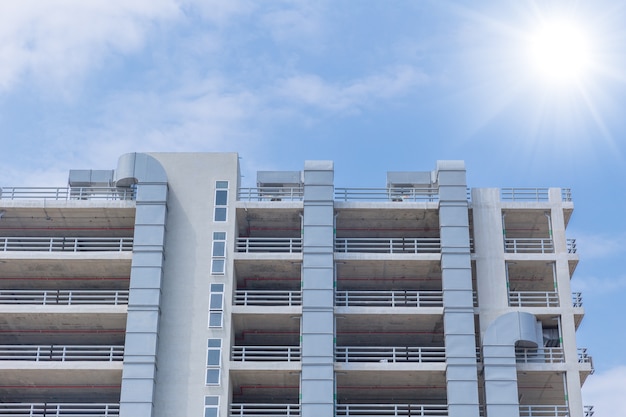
<point x="266" y="353"/>
<point x="389" y="298"/>
<point x="59" y="409"/>
<point x="378" y="410"/>
<point x="64" y="297"/>
<point x="388" y="245"/>
<point x="268" y="244"/>
<point x="67" y="193"/>
<point x="533" y="299"/>
<point x="271" y="194"/>
<point x="61" y="352"/>
<point x="66" y="244"/>
<point x="543" y="410"/>
<point x="540" y="355"/>
<point x="393" y="354"/>
<point x="267" y="297"/>
<point x="396" y="194"/>
<point x="528" y="245"/>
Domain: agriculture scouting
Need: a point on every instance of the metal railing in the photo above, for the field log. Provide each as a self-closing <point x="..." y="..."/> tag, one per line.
<point x="543" y="411"/>
<point x="533" y="299"/>
<point x="269" y="244"/>
<point x="398" y="194"/>
<point x="66" y="193"/>
<point x="584" y="357"/>
<point x="391" y="354"/>
<point x="64" y="297"/>
<point x="266" y="353"/>
<point x="528" y="245"/>
<point x="264" y="410"/>
<point x="372" y="298"/>
<point x="396" y="410"/>
<point x="61" y="353"/>
<point x="267" y="298"/>
<point x="532" y="194"/>
<point x="588" y="411"/>
<point x="66" y="244"/>
<point x="571" y="246"/>
<point x="540" y="355"/>
<point x="577" y="299"/>
<point x="271" y="194"/>
<point x="59" y="410"/>
<point x="388" y="245"/>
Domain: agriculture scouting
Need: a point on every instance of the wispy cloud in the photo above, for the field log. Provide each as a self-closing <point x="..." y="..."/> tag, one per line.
<point x="57" y="41"/>
<point x="595" y="246"/>
<point x="351" y="95"/>
<point x="590" y="285"/>
<point x="606" y="392"/>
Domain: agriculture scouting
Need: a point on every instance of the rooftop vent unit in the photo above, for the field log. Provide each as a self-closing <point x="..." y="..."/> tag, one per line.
<point x="403" y="185"/>
<point x="276" y="185"/>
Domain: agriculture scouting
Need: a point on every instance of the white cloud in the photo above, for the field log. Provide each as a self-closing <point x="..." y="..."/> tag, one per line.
<point x="349" y="96"/>
<point x="56" y="41"/>
<point x="592" y="285"/>
<point x="606" y="392"/>
<point x="594" y="246"/>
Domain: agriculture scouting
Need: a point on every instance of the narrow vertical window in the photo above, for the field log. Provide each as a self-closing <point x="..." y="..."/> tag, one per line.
<point x="213" y="361"/>
<point x="216" y="305"/>
<point x="221" y="201"/>
<point x="218" y="254"/>
<point x="211" y="406"/>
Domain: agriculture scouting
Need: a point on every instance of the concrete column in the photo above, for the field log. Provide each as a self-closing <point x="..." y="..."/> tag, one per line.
<point x="461" y="372"/>
<point x="138" y="376"/>
<point x="317" y="379"/>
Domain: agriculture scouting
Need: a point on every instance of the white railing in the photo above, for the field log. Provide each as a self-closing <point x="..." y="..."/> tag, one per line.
<point x="524" y="194"/>
<point x="391" y="354"/>
<point x="269" y="244"/>
<point x="59" y="410"/>
<point x="528" y="245"/>
<point x="540" y="355"/>
<point x="543" y="411"/>
<point x="389" y="298"/>
<point x="533" y="299"/>
<point x="264" y="410"/>
<point x="61" y="353"/>
<point x="577" y="299"/>
<point x="571" y="246"/>
<point x="584" y="357"/>
<point x="66" y="244"/>
<point x="399" y="410"/>
<point x="64" y="297"/>
<point x="266" y="353"/>
<point x="267" y="298"/>
<point x="66" y="193"/>
<point x="387" y="194"/>
<point x="271" y="194"/>
<point x="388" y="245"/>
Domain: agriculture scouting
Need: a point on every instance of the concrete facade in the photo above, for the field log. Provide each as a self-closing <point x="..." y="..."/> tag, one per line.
<point x="164" y="288"/>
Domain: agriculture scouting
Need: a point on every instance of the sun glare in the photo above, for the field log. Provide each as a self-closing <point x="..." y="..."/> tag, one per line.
<point x="560" y="51"/>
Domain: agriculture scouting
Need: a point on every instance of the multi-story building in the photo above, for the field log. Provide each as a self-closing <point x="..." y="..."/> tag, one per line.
<point x="164" y="288"/>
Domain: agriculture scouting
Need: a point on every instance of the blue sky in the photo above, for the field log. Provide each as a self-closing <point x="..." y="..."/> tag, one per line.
<point x="373" y="85"/>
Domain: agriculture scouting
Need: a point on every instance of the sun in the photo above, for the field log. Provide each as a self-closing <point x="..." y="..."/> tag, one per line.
<point x="560" y="51"/>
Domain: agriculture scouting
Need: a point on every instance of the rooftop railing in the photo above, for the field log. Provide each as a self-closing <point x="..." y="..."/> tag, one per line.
<point x="66" y="193"/>
<point x="392" y="354"/>
<point x="59" y="410"/>
<point x="64" y="297"/>
<point x="399" y="298"/>
<point x="66" y="244"/>
<point x="269" y="244"/>
<point x="544" y="411"/>
<point x="395" y="410"/>
<point x="267" y="298"/>
<point x="429" y="194"/>
<point x="266" y="353"/>
<point x="532" y="194"/>
<point x="271" y="194"/>
<point x="528" y="245"/>
<point x="540" y="355"/>
<point x="533" y="299"/>
<point x="388" y="245"/>
<point x="61" y="353"/>
<point x="264" y="410"/>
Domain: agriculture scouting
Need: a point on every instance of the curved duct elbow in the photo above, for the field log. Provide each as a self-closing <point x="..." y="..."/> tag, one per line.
<point x="135" y="167"/>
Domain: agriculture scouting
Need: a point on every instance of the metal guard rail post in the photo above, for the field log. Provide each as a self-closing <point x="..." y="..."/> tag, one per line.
<point x="67" y="193"/>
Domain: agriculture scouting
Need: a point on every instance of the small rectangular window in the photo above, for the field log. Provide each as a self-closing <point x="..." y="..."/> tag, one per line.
<point x="216" y="301"/>
<point x="219" y="235"/>
<point x="221" y="197"/>
<point x="215" y="319"/>
<point x="219" y="248"/>
<point x="218" y="267"/>
<point x="211" y="406"/>
<point x="220" y="214"/>
<point x="214" y="352"/>
<point x="218" y="254"/>
<point x="213" y="376"/>
<point x="221" y="184"/>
